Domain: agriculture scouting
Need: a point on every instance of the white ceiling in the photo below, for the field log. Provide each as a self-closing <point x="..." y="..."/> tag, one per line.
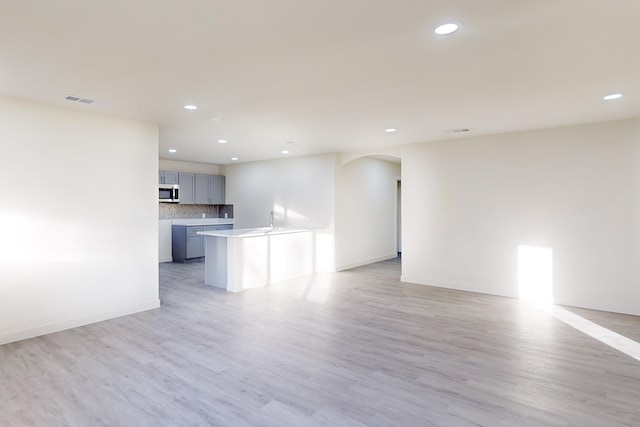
<point x="329" y="75"/>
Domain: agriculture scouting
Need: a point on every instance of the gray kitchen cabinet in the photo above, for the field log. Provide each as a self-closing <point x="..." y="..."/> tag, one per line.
<point x="194" y="243"/>
<point x="187" y="244"/>
<point x="187" y="188"/>
<point x="217" y="227"/>
<point x="202" y="189"/>
<point x="168" y="177"/>
<point x="216" y="183"/>
<point x="209" y="189"/>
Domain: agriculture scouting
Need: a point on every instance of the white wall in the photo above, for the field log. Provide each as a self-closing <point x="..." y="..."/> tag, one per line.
<point x="188" y="167"/>
<point x="300" y="190"/>
<point x="366" y="207"/>
<point x="78" y="218"/>
<point x="468" y="204"/>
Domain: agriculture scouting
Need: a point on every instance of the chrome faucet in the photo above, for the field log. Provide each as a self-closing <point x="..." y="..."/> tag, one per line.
<point x="272" y="220"/>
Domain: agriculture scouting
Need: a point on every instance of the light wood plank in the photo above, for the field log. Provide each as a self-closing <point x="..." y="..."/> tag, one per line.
<point x="352" y="348"/>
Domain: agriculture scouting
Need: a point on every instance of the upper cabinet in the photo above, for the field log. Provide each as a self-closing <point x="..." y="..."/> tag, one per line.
<point x="209" y="189"/>
<point x="216" y="184"/>
<point x="187" y="188"/>
<point x="196" y="189"/>
<point x="168" y="177"/>
<point x="202" y="189"/>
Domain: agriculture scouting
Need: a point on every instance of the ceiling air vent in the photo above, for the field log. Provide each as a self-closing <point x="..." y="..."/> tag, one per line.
<point x="78" y="99"/>
<point x="460" y="130"/>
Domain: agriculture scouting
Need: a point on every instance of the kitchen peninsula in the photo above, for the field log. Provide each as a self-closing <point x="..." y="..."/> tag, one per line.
<point x="241" y="259"/>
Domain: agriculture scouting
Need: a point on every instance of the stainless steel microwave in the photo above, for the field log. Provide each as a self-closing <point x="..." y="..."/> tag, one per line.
<point x="169" y="193"/>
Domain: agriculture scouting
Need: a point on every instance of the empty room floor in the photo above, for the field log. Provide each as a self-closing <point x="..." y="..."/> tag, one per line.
<point x="355" y="348"/>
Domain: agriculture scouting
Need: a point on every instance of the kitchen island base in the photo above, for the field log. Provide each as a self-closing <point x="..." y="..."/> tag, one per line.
<point x="237" y="260"/>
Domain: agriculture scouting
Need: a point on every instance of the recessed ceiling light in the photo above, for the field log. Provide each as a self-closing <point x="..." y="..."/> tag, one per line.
<point x="445" y="29"/>
<point x="222" y="141"/>
<point x="234" y="158"/>
<point x="612" y="96"/>
<point x="390" y="130"/>
<point x="285" y="151"/>
<point x="173" y="150"/>
<point x="190" y="107"/>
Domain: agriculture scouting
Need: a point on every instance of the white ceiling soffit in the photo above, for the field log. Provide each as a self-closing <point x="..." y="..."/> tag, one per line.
<point x="325" y="76"/>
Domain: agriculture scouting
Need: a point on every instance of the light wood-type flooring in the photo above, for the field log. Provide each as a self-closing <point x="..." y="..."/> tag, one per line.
<point x="356" y="348"/>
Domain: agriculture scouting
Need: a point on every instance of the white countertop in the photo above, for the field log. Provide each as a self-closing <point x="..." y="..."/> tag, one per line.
<point x="252" y="232"/>
<point x="202" y="221"/>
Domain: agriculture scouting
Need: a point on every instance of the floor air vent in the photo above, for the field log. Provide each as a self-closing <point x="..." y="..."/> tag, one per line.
<point x="78" y="99"/>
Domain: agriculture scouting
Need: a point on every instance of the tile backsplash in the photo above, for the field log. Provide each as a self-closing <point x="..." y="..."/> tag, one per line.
<point x="177" y="211"/>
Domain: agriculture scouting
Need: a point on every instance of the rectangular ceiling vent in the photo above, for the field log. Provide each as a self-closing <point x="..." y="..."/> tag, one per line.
<point x="460" y="130"/>
<point x="78" y="99"/>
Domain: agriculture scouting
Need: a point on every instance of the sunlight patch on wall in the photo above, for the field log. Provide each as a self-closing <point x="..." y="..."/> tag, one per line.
<point x="535" y="274"/>
<point x="29" y="239"/>
<point x="287" y="214"/>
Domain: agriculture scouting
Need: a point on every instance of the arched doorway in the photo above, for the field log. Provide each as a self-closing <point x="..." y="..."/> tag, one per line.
<point x="368" y="220"/>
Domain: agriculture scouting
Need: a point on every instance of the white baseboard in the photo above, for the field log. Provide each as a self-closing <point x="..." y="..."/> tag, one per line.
<point x="170" y="259"/>
<point x="74" y="323"/>
<point x="365" y="262"/>
<point x="600" y="306"/>
<point x="467" y="287"/>
<point x="612" y="308"/>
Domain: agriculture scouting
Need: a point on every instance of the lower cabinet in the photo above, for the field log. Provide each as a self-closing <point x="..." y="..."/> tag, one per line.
<point x="187" y="244"/>
<point x="194" y="243"/>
